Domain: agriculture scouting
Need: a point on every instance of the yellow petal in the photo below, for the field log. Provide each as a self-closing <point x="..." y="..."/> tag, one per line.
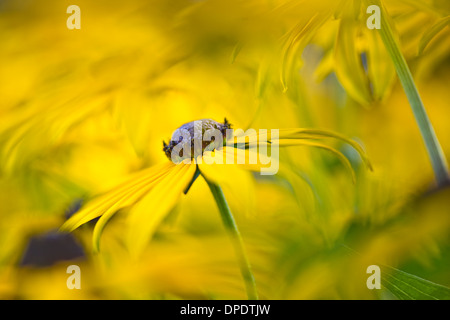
<point x="147" y="214"/>
<point x="321" y="134"/>
<point x="380" y="67"/>
<point x="237" y="184"/>
<point x="252" y="159"/>
<point x="339" y="155"/>
<point x="301" y="34"/>
<point x="348" y="64"/>
<point x="119" y="197"/>
<point x="325" y="67"/>
<point x="430" y="34"/>
<point x="287" y="137"/>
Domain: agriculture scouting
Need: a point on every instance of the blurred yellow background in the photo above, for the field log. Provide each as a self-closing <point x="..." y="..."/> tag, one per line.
<point x="81" y="110"/>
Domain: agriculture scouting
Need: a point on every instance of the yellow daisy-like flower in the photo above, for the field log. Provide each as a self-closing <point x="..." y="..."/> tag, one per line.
<point x="153" y="192"/>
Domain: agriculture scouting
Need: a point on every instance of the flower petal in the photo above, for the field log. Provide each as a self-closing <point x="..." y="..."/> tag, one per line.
<point x="339" y="155"/>
<point x="348" y="64"/>
<point x="148" y="213"/>
<point x="248" y="158"/>
<point x="239" y="190"/>
<point x="119" y="197"/>
<point x="286" y="137"/>
<point x="432" y="32"/>
<point x="380" y="67"/>
<point x="299" y="36"/>
<point x="321" y="134"/>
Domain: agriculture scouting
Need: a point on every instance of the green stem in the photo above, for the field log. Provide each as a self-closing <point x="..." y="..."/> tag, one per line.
<point x="434" y="149"/>
<point x="230" y="225"/>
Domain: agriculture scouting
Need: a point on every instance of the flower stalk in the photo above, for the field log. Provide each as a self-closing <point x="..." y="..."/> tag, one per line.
<point x="230" y="225"/>
<point x="434" y="149"/>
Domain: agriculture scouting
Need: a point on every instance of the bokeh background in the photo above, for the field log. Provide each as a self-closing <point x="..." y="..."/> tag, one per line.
<point x="81" y="110"/>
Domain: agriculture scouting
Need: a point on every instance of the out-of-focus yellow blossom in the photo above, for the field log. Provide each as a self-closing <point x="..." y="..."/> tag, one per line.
<point x="153" y="192"/>
<point x="356" y="53"/>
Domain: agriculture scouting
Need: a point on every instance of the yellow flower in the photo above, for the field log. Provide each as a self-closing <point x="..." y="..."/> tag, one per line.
<point x="356" y="53"/>
<point x="153" y="192"/>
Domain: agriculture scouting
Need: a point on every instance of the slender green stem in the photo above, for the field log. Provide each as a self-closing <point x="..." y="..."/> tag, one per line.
<point x="230" y="225"/>
<point x="196" y="174"/>
<point x="434" y="149"/>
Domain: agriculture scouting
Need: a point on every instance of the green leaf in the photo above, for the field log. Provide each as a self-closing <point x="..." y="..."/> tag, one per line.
<point x="406" y="286"/>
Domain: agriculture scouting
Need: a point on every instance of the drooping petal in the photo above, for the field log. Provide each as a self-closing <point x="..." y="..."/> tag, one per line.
<point x="321" y="134"/>
<point x="147" y="214"/>
<point x="325" y="67"/>
<point x="339" y="155"/>
<point x="348" y="64"/>
<point x="286" y="137"/>
<point x="247" y="158"/>
<point x="432" y="32"/>
<point x="380" y="67"/>
<point x="124" y="195"/>
<point x="299" y="36"/>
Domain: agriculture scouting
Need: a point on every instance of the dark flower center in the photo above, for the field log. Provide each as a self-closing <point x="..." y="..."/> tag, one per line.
<point x="192" y="139"/>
